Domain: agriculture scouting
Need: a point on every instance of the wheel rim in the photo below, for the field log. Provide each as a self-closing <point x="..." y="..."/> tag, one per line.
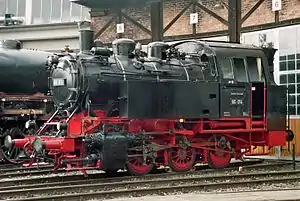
<point x="12" y="155"/>
<point x="219" y="159"/>
<point x="136" y="167"/>
<point x="181" y="159"/>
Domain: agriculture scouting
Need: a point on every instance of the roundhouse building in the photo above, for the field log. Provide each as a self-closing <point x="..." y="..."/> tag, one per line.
<point x="42" y="24"/>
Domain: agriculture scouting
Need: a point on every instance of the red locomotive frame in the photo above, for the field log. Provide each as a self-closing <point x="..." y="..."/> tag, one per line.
<point x="206" y="138"/>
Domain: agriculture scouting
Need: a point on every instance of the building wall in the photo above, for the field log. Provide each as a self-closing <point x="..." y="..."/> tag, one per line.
<point x="51" y="37"/>
<point x="207" y="23"/>
<point x="287" y="59"/>
<point x="44" y="11"/>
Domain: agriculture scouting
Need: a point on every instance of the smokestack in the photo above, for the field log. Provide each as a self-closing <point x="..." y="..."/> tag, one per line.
<point x="86" y="37"/>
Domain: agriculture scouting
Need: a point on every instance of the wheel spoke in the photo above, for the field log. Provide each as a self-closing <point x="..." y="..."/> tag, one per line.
<point x="137" y="167"/>
<point x="184" y="160"/>
<point x="218" y="158"/>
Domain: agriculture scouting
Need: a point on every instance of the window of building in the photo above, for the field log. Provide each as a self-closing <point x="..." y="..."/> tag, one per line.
<point x="46" y="9"/>
<point x="86" y="14"/>
<point x="2" y="7"/>
<point x="75" y="12"/>
<point x="56" y="7"/>
<point x="66" y="6"/>
<point x="36" y="11"/>
<point x="12" y="6"/>
<point x="16" y="7"/>
<point x="21" y="8"/>
<point x="289" y="66"/>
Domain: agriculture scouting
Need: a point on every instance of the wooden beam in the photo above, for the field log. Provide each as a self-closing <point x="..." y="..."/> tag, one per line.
<point x="276" y="16"/>
<point x="213" y="14"/>
<point x="177" y="16"/>
<point x="157" y="21"/>
<point x="251" y="11"/>
<point x="119" y="21"/>
<point x="101" y="31"/>
<point x="248" y="29"/>
<point x="133" y="21"/>
<point x="234" y="19"/>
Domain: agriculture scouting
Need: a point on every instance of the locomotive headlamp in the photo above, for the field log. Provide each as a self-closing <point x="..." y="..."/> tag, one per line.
<point x="8" y="141"/>
<point x="37" y="145"/>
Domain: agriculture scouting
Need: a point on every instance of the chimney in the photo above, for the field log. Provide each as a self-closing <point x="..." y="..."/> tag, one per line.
<point x="86" y="37"/>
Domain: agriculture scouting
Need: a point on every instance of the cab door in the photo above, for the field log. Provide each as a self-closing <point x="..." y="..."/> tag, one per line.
<point x="234" y="87"/>
<point x="257" y="82"/>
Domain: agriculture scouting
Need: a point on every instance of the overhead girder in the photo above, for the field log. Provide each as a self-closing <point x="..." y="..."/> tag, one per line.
<point x="234" y="21"/>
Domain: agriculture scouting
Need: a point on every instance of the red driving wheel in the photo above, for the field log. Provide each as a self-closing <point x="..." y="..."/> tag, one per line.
<point x="137" y="167"/>
<point x="218" y="158"/>
<point x="181" y="159"/>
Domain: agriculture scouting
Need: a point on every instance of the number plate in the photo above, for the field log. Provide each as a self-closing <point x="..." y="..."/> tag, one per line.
<point x="58" y="82"/>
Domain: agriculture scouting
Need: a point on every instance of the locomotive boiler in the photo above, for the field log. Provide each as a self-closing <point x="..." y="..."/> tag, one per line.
<point x="23" y="90"/>
<point x="180" y="104"/>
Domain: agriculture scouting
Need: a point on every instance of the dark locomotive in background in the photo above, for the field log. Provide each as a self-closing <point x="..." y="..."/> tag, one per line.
<point x="23" y="90"/>
<point x="178" y="104"/>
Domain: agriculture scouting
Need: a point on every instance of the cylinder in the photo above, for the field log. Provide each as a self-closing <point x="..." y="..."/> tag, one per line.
<point x="20" y="143"/>
<point x="86" y="40"/>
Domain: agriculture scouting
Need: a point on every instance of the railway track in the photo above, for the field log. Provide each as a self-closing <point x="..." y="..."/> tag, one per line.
<point x="101" y="189"/>
<point x="22" y="172"/>
<point x="43" y="176"/>
<point x="10" y="171"/>
<point x="18" y="169"/>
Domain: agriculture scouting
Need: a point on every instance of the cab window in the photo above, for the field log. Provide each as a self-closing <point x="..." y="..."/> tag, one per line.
<point x="240" y="70"/>
<point x="255" y="69"/>
<point x="226" y="68"/>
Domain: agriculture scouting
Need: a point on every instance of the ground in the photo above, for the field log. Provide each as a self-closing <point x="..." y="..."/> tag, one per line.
<point x="249" y="196"/>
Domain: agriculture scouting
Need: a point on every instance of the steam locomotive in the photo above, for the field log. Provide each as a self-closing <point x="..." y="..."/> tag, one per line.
<point x="23" y="91"/>
<point x="178" y="104"/>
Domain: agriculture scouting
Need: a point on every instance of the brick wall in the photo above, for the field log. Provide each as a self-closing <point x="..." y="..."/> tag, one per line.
<point x="207" y="23"/>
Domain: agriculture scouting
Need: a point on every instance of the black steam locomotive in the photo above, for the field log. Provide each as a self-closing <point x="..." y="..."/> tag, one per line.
<point x="24" y="93"/>
<point x="181" y="103"/>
